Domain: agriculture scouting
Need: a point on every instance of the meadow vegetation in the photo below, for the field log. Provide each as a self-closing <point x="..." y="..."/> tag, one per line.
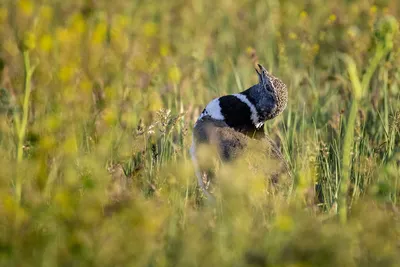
<point x="97" y="104"/>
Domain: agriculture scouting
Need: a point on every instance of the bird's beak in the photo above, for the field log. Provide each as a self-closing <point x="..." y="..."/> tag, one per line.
<point x="263" y="70"/>
<point x="264" y="78"/>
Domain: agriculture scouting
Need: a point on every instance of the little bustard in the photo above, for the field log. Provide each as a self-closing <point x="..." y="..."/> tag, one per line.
<point x="234" y="123"/>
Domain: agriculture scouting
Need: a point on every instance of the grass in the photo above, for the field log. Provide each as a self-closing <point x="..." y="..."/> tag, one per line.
<point x="97" y="104"/>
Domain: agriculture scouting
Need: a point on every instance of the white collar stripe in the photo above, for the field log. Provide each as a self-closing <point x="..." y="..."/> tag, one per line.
<point x="254" y="113"/>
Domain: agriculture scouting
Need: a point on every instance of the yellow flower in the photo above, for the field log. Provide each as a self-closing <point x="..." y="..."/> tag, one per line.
<point x="121" y="21"/>
<point x="29" y="41"/>
<point x="110" y="116"/>
<point x="373" y="9"/>
<point x="174" y="74"/>
<point x="46" y="43"/>
<point x="150" y="29"/>
<point x="292" y="35"/>
<point x="99" y="33"/>
<point x="164" y="50"/>
<point x="78" y="23"/>
<point x="11" y="207"/>
<point x="332" y="18"/>
<point x="26" y="7"/>
<point x="46" y="12"/>
<point x="154" y="65"/>
<point x="250" y="51"/>
<point x="66" y="73"/>
<point x="63" y="35"/>
<point x="48" y="142"/>
<point x="315" y="48"/>
<point x="9" y="204"/>
<point x="303" y="14"/>
<point x="284" y="223"/>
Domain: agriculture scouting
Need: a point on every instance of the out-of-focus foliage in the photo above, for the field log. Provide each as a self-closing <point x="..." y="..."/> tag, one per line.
<point x="102" y="163"/>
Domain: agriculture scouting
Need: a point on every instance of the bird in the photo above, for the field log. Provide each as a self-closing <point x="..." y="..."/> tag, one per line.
<point x="234" y="123"/>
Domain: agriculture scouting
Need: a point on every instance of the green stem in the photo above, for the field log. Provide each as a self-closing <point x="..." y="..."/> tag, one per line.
<point x="22" y="124"/>
<point x="379" y="55"/>
<point x="359" y="90"/>
<point x="346" y="169"/>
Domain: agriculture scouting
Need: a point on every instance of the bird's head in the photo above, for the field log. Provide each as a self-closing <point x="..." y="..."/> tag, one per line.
<point x="273" y="94"/>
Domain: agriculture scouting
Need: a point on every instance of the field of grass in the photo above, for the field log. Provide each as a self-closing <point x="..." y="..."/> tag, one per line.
<point x="97" y="103"/>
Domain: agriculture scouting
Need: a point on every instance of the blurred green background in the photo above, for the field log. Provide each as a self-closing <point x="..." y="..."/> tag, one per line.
<point x="97" y="103"/>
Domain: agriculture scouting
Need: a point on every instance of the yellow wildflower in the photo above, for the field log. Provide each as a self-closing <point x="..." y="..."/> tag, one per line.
<point x="332" y="18"/>
<point x="78" y="23"/>
<point x="29" y="41"/>
<point x="48" y="142"/>
<point x="303" y="15"/>
<point x="292" y="35"/>
<point x="250" y="51"/>
<point x="110" y="116"/>
<point x="46" y="43"/>
<point x="164" y="50"/>
<point x="46" y="12"/>
<point x="9" y="204"/>
<point x="174" y="74"/>
<point x="63" y="35"/>
<point x="284" y="223"/>
<point x="66" y="73"/>
<point x="315" y="48"/>
<point x="26" y="7"/>
<point x="150" y="29"/>
<point x="121" y="21"/>
<point x="99" y="33"/>
<point x="373" y="9"/>
<point x="11" y="207"/>
<point x="154" y="65"/>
